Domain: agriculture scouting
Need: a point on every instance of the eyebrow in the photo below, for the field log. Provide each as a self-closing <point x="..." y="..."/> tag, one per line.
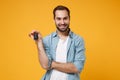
<point x="63" y="17"/>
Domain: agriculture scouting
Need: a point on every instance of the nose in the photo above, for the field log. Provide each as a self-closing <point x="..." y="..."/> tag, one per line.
<point x="62" y="22"/>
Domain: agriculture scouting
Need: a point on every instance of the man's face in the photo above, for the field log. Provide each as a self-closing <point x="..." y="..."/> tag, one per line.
<point x="62" y="20"/>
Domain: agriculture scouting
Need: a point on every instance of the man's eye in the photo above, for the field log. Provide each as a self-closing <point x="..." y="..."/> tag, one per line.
<point x="65" y="18"/>
<point x="58" y="18"/>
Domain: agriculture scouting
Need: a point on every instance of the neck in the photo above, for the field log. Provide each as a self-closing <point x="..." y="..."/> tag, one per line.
<point x="63" y="34"/>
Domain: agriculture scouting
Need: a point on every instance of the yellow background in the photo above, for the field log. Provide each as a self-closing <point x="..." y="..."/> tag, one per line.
<point x="97" y="21"/>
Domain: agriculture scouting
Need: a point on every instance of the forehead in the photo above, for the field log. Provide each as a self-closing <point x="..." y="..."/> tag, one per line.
<point x="61" y="13"/>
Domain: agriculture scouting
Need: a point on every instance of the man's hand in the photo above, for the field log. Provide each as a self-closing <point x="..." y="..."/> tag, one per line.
<point x="36" y="32"/>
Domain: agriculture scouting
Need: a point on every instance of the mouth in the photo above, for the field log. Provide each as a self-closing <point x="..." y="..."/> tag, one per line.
<point x="63" y="26"/>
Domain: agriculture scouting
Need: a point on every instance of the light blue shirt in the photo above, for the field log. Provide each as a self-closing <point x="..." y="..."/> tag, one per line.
<point x="75" y="53"/>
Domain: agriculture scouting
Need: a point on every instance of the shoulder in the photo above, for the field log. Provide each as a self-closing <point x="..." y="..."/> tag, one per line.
<point x="77" y="37"/>
<point x="49" y="37"/>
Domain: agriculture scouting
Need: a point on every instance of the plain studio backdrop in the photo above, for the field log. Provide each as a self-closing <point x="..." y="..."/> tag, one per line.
<point x="97" y="21"/>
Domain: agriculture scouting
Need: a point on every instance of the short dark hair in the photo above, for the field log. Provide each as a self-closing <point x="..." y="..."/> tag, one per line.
<point x="61" y="7"/>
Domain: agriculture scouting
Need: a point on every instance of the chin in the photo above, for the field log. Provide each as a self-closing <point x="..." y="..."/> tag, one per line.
<point x="62" y="29"/>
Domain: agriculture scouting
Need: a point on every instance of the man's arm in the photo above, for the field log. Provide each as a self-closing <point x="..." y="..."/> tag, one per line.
<point x="43" y="59"/>
<point x="64" y="67"/>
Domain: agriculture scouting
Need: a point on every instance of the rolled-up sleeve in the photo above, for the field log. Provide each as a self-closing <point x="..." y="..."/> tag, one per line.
<point x="79" y="59"/>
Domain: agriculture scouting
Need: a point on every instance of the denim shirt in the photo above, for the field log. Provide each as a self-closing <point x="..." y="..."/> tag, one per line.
<point x="75" y="53"/>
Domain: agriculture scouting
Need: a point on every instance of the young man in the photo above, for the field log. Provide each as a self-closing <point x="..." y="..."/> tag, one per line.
<point x="61" y="53"/>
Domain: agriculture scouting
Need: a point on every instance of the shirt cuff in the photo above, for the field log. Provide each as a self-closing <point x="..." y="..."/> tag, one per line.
<point x="49" y="64"/>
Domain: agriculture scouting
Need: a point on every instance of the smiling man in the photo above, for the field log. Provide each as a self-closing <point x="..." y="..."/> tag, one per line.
<point x="62" y="52"/>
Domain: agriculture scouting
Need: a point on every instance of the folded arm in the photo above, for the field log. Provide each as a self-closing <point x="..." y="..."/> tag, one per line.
<point x="77" y="65"/>
<point x="64" y="67"/>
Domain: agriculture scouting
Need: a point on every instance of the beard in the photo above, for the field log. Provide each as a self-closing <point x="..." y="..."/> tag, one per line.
<point x="62" y="29"/>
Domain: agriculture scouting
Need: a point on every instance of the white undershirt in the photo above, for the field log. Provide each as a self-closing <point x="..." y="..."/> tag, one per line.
<point x="61" y="56"/>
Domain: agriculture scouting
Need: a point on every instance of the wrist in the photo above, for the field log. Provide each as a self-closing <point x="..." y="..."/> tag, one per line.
<point x="40" y="45"/>
<point x="39" y="42"/>
<point x="53" y="65"/>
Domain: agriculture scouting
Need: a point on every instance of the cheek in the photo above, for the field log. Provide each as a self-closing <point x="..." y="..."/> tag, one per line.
<point x="67" y="22"/>
<point x="57" y="22"/>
